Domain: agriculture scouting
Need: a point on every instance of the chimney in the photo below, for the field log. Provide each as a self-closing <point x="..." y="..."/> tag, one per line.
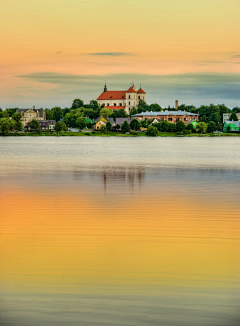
<point x="176" y="104"/>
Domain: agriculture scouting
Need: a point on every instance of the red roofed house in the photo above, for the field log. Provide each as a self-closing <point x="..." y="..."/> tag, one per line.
<point x="116" y="100"/>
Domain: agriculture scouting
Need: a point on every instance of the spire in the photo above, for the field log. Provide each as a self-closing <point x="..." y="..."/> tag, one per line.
<point x="105" y="87"/>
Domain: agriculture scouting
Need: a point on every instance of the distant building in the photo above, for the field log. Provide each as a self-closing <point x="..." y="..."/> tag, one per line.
<point x="44" y="125"/>
<point x="116" y="100"/>
<point x="102" y="122"/>
<point x="234" y="125"/>
<point x="119" y="121"/>
<point x="170" y="116"/>
<point x="31" y="114"/>
<point x="226" y="116"/>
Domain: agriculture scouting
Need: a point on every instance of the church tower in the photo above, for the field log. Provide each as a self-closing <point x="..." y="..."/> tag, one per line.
<point x="105" y="87"/>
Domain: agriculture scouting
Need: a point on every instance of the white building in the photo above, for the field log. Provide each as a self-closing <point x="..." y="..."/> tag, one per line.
<point x="116" y="100"/>
<point x="226" y="117"/>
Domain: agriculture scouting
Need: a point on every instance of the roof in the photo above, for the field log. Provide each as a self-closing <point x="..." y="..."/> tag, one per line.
<point x="140" y="91"/>
<point x="131" y="90"/>
<point x="112" y="95"/>
<point x="114" y="107"/>
<point x="120" y="121"/>
<point x="236" y="123"/>
<point x="164" y="113"/>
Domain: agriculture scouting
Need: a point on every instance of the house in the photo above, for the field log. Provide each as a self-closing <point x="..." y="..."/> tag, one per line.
<point x="170" y="116"/>
<point x="102" y="122"/>
<point x="234" y="126"/>
<point x="30" y="114"/>
<point x="115" y="100"/>
<point x="226" y="116"/>
<point x="44" y="125"/>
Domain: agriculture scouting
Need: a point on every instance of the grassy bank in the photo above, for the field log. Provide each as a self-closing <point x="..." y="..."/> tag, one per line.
<point x="115" y="134"/>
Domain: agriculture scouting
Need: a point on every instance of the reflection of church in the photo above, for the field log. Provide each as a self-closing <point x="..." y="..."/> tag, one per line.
<point x="133" y="177"/>
<point x="116" y="100"/>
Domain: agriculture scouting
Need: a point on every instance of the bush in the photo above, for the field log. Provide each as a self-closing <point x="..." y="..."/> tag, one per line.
<point x="125" y="127"/>
<point x="152" y="131"/>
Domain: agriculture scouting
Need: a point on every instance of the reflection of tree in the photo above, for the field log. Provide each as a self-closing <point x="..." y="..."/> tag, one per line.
<point x="121" y="176"/>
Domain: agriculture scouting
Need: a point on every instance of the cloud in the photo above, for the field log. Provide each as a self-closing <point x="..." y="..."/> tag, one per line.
<point x="112" y="54"/>
<point x="188" y="88"/>
<point x="58" y="52"/>
<point x="236" y="56"/>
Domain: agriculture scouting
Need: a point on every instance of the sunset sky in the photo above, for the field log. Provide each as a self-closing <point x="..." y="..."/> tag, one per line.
<point x="53" y="51"/>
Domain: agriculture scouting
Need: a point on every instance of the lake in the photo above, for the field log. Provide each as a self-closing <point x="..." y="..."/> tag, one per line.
<point x="119" y="231"/>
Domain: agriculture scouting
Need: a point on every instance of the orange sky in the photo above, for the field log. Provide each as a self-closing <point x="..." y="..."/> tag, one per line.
<point x="111" y="37"/>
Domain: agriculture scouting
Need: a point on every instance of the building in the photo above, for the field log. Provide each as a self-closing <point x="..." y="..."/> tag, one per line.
<point x="234" y="126"/>
<point x="44" y="125"/>
<point x="120" y="121"/>
<point x="115" y="100"/>
<point x="226" y="116"/>
<point x="170" y="116"/>
<point x="30" y="114"/>
<point x="102" y="122"/>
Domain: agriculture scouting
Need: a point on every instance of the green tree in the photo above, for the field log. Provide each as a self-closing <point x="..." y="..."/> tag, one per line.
<point x="77" y="103"/>
<point x="17" y="116"/>
<point x="18" y="125"/>
<point x="135" y="124"/>
<point x="180" y="126"/>
<point x="4" y="126"/>
<point x="201" y="127"/>
<point x="81" y="122"/>
<point x="133" y="111"/>
<point x="172" y="127"/>
<point x="190" y="127"/>
<point x="233" y="117"/>
<point x="35" y="126"/>
<point x="64" y="126"/>
<point x="164" y="126"/>
<point x="57" y="113"/>
<point x="228" y="128"/>
<point x="118" y="126"/>
<point x="154" y="107"/>
<point x="49" y="114"/>
<point x="108" y="126"/>
<point x="125" y="127"/>
<point x="152" y="131"/>
<point x="145" y="123"/>
<point x="105" y="112"/>
<point x="103" y="128"/>
<point x="58" y="126"/>
<point x="211" y="127"/>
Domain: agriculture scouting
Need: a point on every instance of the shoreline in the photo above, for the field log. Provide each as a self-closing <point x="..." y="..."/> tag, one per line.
<point x="115" y="134"/>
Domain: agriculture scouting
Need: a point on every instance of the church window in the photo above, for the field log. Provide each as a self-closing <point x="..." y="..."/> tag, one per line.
<point x="139" y="97"/>
<point x="129" y="96"/>
<point x="115" y="104"/>
<point x="107" y="104"/>
<point x="129" y="103"/>
<point x="120" y="104"/>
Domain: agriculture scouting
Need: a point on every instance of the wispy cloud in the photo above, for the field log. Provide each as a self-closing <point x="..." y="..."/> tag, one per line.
<point x="236" y="56"/>
<point x="58" y="52"/>
<point x="111" y="54"/>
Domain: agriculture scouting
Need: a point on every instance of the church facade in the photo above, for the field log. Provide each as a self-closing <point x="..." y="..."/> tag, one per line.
<point x="115" y="100"/>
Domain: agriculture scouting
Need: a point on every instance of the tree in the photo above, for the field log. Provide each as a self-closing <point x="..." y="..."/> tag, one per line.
<point x="77" y="103"/>
<point x="57" y="113"/>
<point x="64" y="126"/>
<point x="228" y="128"/>
<point x="154" y="107"/>
<point x="121" y="113"/>
<point x="211" y="127"/>
<point x="172" y="127"/>
<point x="152" y="131"/>
<point x="58" y="126"/>
<point x="103" y="128"/>
<point x="201" y="127"/>
<point x="164" y="126"/>
<point x="133" y="111"/>
<point x="35" y="126"/>
<point x="145" y="123"/>
<point x="108" y="126"/>
<point x="190" y="127"/>
<point x="49" y="114"/>
<point x="118" y="126"/>
<point x="233" y="117"/>
<point x="135" y="124"/>
<point x="105" y="112"/>
<point x="180" y="126"/>
<point x="125" y="127"/>
<point x="81" y="122"/>
<point x="17" y="116"/>
<point x="4" y="125"/>
<point x="18" y="125"/>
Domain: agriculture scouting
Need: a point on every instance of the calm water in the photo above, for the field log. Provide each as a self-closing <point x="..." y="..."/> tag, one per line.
<point x="119" y="231"/>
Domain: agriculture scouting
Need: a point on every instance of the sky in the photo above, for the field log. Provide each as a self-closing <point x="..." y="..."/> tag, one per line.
<point x="55" y="51"/>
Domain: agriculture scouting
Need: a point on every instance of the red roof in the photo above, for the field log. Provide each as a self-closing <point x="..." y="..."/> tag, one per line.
<point x="140" y="91"/>
<point x="112" y="95"/>
<point x="114" y="107"/>
<point x="131" y="90"/>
